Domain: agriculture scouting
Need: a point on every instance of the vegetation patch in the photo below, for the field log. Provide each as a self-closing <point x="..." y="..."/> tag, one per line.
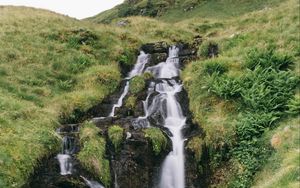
<point x="115" y="135"/>
<point x="158" y="140"/>
<point x="92" y="154"/>
<point x="137" y="84"/>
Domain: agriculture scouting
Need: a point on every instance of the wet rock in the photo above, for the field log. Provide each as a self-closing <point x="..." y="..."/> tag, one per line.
<point x="157" y="58"/>
<point x="159" y="47"/>
<point x="136" y="166"/>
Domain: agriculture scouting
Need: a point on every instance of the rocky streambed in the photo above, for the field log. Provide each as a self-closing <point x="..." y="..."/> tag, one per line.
<point x="139" y="159"/>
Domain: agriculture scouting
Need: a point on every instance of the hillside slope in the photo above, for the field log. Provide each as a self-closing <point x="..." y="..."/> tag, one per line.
<point x="53" y="68"/>
<point x="175" y="10"/>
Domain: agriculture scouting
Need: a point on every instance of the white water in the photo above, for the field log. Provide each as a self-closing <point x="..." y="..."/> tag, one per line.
<point x="166" y="104"/>
<point x="138" y="69"/>
<point x="65" y="163"/>
<point x="172" y="173"/>
<point x="120" y="101"/>
<point x="92" y="184"/>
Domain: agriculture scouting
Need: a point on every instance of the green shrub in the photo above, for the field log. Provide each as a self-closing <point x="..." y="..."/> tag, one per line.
<point x="127" y="57"/>
<point x="225" y="86"/>
<point x="263" y="93"/>
<point x="267" y="58"/>
<point x="267" y="89"/>
<point x="137" y="84"/>
<point x="157" y="138"/>
<point x="215" y="66"/>
<point x="115" y="135"/>
<point x="92" y="154"/>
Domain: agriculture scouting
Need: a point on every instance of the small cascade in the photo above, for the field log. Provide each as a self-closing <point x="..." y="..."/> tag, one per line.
<point x="68" y="148"/>
<point x="172" y="173"/>
<point x="92" y="184"/>
<point x="120" y="100"/>
<point x="116" y="184"/>
<point x="138" y="69"/>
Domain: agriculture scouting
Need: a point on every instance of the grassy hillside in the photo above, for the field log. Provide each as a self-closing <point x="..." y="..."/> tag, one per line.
<point x="52" y="68"/>
<point x="178" y="10"/>
<point x="244" y="94"/>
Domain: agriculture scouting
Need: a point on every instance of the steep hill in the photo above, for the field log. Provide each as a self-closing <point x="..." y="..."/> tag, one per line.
<point x="53" y="68"/>
<point x="175" y="10"/>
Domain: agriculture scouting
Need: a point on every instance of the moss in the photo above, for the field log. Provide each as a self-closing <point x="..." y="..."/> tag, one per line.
<point x="115" y="135"/>
<point x="131" y="102"/>
<point x="137" y="84"/>
<point x="92" y="154"/>
<point x="195" y="145"/>
<point x="147" y="76"/>
<point x="157" y="138"/>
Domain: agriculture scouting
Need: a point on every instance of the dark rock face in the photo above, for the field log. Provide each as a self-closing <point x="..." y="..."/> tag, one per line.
<point x="159" y="47"/>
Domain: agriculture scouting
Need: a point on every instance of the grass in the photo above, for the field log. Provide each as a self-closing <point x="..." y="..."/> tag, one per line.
<point x="175" y="11"/>
<point x="157" y="138"/>
<point x="282" y="168"/>
<point x="52" y="69"/>
<point x="115" y="135"/>
<point x="92" y="154"/>
<point x="240" y="135"/>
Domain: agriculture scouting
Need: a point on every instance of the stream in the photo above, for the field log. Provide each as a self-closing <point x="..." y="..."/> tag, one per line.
<point x="160" y="108"/>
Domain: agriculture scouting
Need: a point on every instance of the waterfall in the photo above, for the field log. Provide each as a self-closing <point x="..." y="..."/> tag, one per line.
<point x="68" y="148"/>
<point x="120" y="100"/>
<point x="165" y="103"/>
<point x="92" y="184"/>
<point x="172" y="173"/>
<point x="138" y="69"/>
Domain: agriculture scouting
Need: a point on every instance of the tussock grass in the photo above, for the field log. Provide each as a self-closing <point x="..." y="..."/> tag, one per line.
<point x="245" y="132"/>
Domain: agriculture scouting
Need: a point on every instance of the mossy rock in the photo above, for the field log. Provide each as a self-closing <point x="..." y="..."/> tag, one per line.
<point x="158" y="139"/>
<point x="131" y="102"/>
<point x="195" y="145"/>
<point x="137" y="84"/>
<point x="92" y="154"/>
<point x="115" y="135"/>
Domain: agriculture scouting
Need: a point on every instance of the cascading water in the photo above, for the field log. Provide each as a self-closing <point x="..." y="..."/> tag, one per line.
<point x="138" y="69"/>
<point x="68" y="148"/>
<point x="92" y="184"/>
<point x="172" y="173"/>
<point x="166" y="104"/>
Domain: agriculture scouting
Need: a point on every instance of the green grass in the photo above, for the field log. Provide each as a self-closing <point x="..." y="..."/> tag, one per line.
<point x="115" y="135"/>
<point x="92" y="154"/>
<point x="175" y="11"/>
<point x="52" y="69"/>
<point x="157" y="138"/>
<point x="242" y="94"/>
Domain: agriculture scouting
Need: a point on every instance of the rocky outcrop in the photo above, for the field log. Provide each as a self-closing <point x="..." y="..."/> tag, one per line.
<point x="134" y="164"/>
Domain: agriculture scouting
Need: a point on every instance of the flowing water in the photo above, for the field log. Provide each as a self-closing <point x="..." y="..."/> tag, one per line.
<point x="68" y="149"/>
<point x="92" y="184"/>
<point x="166" y="104"/>
<point x="138" y="69"/>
